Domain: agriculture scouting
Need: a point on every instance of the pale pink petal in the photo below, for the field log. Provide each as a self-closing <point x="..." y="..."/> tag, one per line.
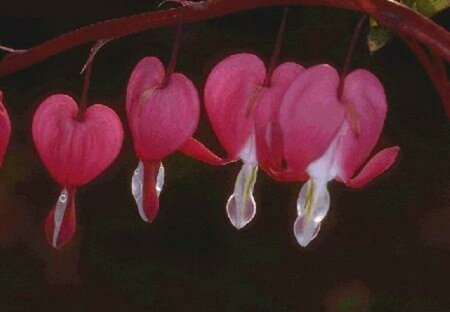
<point x="75" y="151"/>
<point x="310" y="116"/>
<point x="365" y="103"/>
<point x="381" y="162"/>
<point x="197" y="150"/>
<point x="232" y="89"/>
<point x="269" y="142"/>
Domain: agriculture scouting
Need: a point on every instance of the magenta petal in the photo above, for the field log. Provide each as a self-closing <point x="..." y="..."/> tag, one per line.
<point x="378" y="164"/>
<point x="269" y="141"/>
<point x="365" y="102"/>
<point x="230" y="93"/>
<point x="150" y="199"/>
<point x="74" y="151"/>
<point x="197" y="150"/>
<point x="310" y="116"/>
<point x="60" y="230"/>
<point x="161" y="119"/>
<point x="5" y="129"/>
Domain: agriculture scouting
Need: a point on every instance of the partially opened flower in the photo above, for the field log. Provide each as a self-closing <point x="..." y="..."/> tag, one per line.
<point x="240" y="102"/>
<point x="163" y="111"/>
<point x="75" y="150"/>
<point x="5" y="129"/>
<point x="329" y="137"/>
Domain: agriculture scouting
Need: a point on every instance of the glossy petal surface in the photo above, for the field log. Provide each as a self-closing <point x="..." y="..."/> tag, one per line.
<point x="310" y="116"/>
<point x="232" y="89"/>
<point x="378" y="164"/>
<point x="74" y="151"/>
<point x="161" y="119"/>
<point x="269" y="140"/>
<point x="365" y="102"/>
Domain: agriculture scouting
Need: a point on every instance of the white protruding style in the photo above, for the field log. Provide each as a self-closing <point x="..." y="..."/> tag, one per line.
<point x="137" y="186"/>
<point x="60" y="209"/>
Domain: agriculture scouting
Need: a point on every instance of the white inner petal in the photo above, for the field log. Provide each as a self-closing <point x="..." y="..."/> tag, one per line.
<point x="248" y="152"/>
<point x="60" y="209"/>
<point x="241" y="206"/>
<point x="137" y="187"/>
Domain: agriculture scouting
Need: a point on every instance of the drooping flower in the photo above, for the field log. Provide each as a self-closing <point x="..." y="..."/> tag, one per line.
<point x="75" y="150"/>
<point x="5" y="129"/>
<point x="329" y="137"/>
<point x="241" y="103"/>
<point x="163" y="113"/>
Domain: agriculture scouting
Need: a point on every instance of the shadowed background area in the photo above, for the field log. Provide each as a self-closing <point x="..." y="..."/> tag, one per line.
<point x="383" y="248"/>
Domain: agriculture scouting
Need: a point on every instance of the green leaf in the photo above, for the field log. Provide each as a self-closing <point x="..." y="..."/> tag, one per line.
<point x="379" y="36"/>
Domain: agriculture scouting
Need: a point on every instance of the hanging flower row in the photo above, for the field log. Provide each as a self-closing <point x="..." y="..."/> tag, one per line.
<point x="295" y="123"/>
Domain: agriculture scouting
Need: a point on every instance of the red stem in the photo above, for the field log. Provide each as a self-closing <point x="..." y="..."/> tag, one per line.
<point x="277" y="49"/>
<point x="87" y="77"/>
<point x="173" y="57"/>
<point x="348" y="58"/>
<point x="436" y="72"/>
<point x="391" y="14"/>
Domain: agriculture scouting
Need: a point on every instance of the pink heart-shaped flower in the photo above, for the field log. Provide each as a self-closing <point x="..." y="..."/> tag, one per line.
<point x="76" y="151"/>
<point x="163" y="111"/>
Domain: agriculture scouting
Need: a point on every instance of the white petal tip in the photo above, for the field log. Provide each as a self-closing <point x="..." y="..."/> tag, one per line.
<point x="240" y="213"/>
<point x="305" y="230"/>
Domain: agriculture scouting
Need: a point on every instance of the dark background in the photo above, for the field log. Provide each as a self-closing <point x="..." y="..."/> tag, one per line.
<point x="383" y="248"/>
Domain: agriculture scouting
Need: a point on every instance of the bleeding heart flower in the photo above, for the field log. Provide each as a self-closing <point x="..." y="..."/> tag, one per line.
<point x="241" y="102"/>
<point x="75" y="150"/>
<point x="163" y="113"/>
<point x="5" y="129"/>
<point x="329" y="138"/>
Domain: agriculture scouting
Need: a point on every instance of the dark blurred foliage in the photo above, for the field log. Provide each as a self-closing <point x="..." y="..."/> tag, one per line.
<point x="383" y="248"/>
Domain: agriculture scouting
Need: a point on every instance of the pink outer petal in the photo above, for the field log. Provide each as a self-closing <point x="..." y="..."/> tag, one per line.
<point x="365" y="101"/>
<point x="197" y="150"/>
<point x="229" y="90"/>
<point x="68" y="224"/>
<point x="310" y="116"/>
<point x="150" y="200"/>
<point x="269" y="141"/>
<point x="381" y="162"/>
<point x="5" y="129"/>
<point x="75" y="152"/>
<point x="161" y="119"/>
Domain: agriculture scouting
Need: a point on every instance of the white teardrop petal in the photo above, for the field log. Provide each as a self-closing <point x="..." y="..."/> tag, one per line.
<point x="60" y="209"/>
<point x="137" y="189"/>
<point x="305" y="230"/>
<point x="241" y="206"/>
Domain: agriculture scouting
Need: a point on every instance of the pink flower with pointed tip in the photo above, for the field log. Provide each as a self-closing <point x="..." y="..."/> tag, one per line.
<point x="75" y="151"/>
<point x="5" y="129"/>
<point x="241" y="106"/>
<point x="163" y="114"/>
<point x="329" y="138"/>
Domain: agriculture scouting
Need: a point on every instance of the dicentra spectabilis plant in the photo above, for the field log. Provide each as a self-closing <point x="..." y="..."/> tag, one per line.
<point x="242" y="99"/>
<point x="163" y="109"/>
<point x="329" y="135"/>
<point x="305" y="125"/>
<point x="76" y="145"/>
